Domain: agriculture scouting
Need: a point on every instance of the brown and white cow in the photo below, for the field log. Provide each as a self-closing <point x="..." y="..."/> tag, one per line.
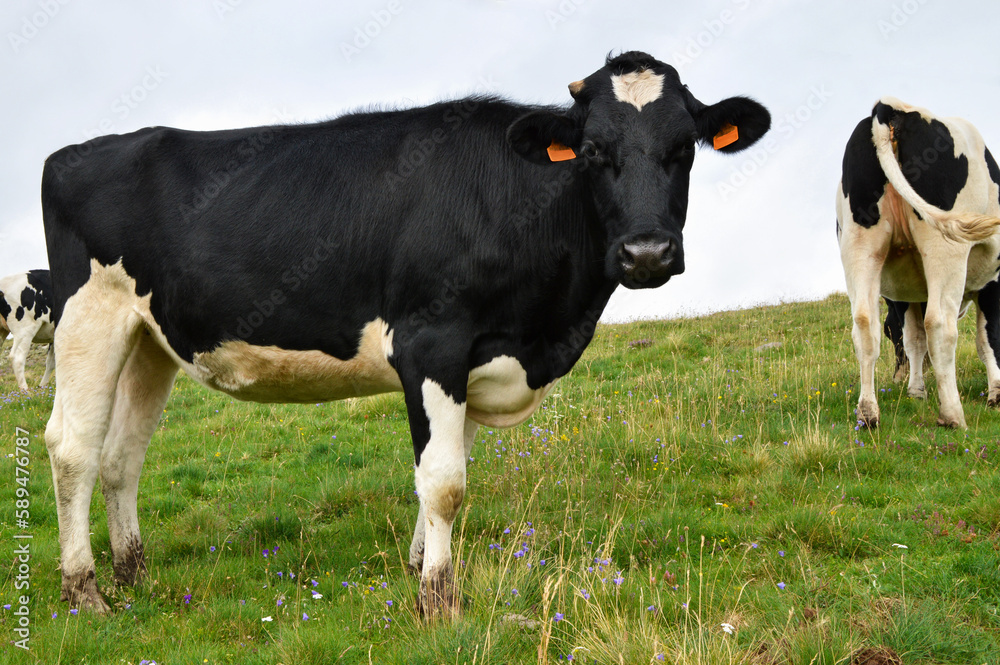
<point x="917" y="219"/>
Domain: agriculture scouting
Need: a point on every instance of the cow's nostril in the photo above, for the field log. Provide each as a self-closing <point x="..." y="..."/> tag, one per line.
<point x="627" y="256"/>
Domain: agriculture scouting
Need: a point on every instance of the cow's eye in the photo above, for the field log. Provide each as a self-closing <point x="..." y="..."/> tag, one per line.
<point x="591" y="150"/>
<point x="680" y="155"/>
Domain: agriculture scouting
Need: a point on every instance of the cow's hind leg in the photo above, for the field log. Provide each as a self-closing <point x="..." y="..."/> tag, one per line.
<point x="915" y="343"/>
<point x="417" y="545"/>
<point x="143" y="389"/>
<point x="863" y="268"/>
<point x="95" y="337"/>
<point x="944" y="299"/>
<point x="50" y="364"/>
<point x="19" y="357"/>
<point x="988" y="337"/>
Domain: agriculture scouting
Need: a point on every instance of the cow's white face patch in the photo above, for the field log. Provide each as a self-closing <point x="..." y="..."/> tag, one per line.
<point x="637" y="88"/>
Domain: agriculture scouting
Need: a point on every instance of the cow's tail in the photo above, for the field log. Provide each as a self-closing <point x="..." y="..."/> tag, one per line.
<point x="953" y="224"/>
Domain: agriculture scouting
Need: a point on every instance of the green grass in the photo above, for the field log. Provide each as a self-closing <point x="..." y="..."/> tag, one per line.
<point x="663" y="490"/>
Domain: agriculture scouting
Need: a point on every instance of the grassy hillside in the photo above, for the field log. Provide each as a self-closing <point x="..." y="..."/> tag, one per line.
<point x="696" y="491"/>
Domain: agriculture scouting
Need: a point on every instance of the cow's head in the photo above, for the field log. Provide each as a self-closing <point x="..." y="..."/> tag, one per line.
<point x="636" y="125"/>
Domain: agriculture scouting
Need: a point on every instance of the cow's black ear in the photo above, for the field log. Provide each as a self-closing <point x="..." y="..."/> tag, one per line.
<point x="714" y="123"/>
<point x="531" y="135"/>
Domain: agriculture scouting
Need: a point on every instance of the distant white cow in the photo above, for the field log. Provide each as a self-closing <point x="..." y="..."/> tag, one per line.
<point x="26" y="313"/>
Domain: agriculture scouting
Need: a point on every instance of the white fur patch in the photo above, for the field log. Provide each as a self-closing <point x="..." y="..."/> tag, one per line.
<point x="440" y="476"/>
<point x="273" y="374"/>
<point x="499" y="395"/>
<point x="637" y="88"/>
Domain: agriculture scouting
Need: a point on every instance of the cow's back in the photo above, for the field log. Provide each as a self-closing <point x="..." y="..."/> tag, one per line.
<point x="356" y="217"/>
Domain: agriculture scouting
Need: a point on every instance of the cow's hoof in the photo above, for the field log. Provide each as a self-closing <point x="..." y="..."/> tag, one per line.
<point x="951" y="423"/>
<point x="993" y="401"/>
<point x="867" y="414"/>
<point x="81" y="592"/>
<point x="918" y="393"/>
<point x="902" y="371"/>
<point x="437" y="596"/>
<point x="130" y="565"/>
<point x="416" y="564"/>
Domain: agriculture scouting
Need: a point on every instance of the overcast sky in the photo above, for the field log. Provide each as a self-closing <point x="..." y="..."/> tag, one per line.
<point x="760" y="225"/>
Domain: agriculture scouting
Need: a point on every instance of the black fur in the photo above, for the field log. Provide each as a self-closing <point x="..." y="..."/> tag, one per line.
<point x="863" y="180"/>
<point x="893" y="328"/>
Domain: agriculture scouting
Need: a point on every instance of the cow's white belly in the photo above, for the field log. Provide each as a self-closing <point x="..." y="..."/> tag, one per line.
<point x="498" y="391"/>
<point x="273" y="374"/>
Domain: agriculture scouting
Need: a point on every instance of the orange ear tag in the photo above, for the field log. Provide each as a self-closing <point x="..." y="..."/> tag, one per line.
<point x="560" y="153"/>
<point x="728" y="134"/>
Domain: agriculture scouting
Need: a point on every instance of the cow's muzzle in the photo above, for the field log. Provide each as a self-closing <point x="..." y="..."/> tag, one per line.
<point x="648" y="264"/>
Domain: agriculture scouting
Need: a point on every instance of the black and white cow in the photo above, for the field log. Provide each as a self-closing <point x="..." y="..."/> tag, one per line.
<point x="917" y="219"/>
<point x="450" y="252"/>
<point x="26" y="313"/>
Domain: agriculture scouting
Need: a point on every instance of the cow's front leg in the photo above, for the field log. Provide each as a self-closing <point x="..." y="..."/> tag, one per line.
<point x="438" y="424"/>
<point x="419" y="534"/>
<point x="988" y="337"/>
